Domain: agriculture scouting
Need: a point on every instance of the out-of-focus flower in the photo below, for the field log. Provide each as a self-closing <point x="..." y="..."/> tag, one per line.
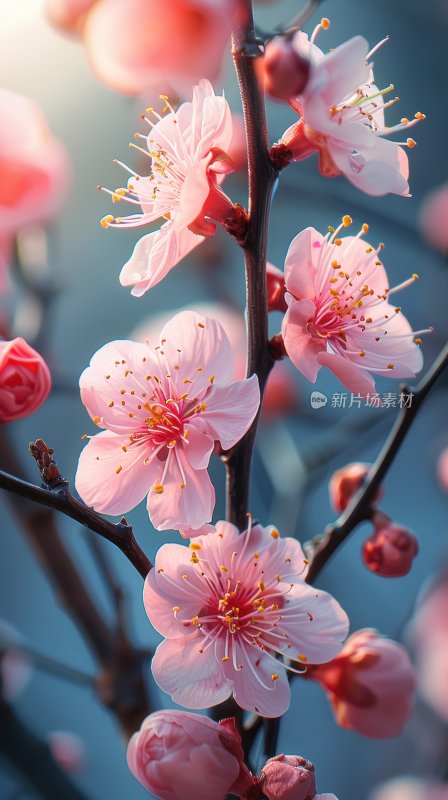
<point x="162" y="408"/>
<point x="285" y="72"/>
<point x="33" y="164"/>
<point x="433" y="221"/>
<point x="390" y="550"/>
<point x="133" y="45"/>
<point x="410" y="789"/>
<point x="189" y="159"/>
<point x="5" y="258"/>
<point x="370" y="685"/>
<point x="68" y="751"/>
<point x="342" y="119"/>
<point x="429" y="637"/>
<point x="25" y="380"/>
<point x="340" y="315"/>
<point x="177" y="755"/>
<point x="442" y="469"/>
<point x="227" y="606"/>
<point x="290" y="778"/>
<point x="345" y="482"/>
<point x="15" y="673"/>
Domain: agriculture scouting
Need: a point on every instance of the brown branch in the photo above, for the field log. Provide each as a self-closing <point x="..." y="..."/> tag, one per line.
<point x="262" y="176"/>
<point x="359" y="508"/>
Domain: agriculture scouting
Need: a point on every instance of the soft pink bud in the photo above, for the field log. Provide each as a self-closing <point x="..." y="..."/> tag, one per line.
<point x="25" y="380"/>
<point x="288" y="778"/>
<point x="177" y="755"/>
<point x="275" y="288"/>
<point x="345" y="482"/>
<point x="390" y="550"/>
<point x="286" y="72"/>
<point x="370" y="684"/>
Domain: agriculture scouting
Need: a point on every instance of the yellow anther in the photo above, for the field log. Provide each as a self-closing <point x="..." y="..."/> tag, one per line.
<point x="195" y="546"/>
<point x="84" y="436"/>
<point x="301" y="657"/>
<point x="225" y="658"/>
<point x="390" y="366"/>
<point x="158" y="488"/>
<point x="346" y="220"/>
<point x="223" y="568"/>
<point x="118" y="470"/>
<point x="411" y="142"/>
<point x="275" y="676"/>
<point x="417" y="341"/>
<point x="404" y="121"/>
<point x="96" y="420"/>
<point x="211" y="378"/>
<point x="195" y="621"/>
<point x="176" y="609"/>
<point x="415" y="276"/>
<point x="325" y="22"/>
<point x="201" y="325"/>
<point x="182" y="485"/>
<point x="337" y="242"/>
<point x="275" y="534"/>
<point x="105" y="222"/>
<point x="365" y="227"/>
<point x="419" y="115"/>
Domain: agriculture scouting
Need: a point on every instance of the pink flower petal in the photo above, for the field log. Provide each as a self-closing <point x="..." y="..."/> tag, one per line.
<point x="187" y="675"/>
<point x="178" y="507"/>
<point x="354" y="378"/>
<point x="301" y="263"/>
<point x="302" y="348"/>
<point x="231" y="410"/>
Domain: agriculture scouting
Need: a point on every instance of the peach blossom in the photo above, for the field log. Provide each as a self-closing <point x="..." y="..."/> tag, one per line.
<point x="342" y="119"/>
<point x="33" y="164"/>
<point x="25" y="380"/>
<point x="177" y="755"/>
<point x="162" y="407"/>
<point x="285" y="71"/>
<point x="339" y="312"/>
<point x="370" y="685"/>
<point x="227" y="606"/>
<point x="188" y="153"/>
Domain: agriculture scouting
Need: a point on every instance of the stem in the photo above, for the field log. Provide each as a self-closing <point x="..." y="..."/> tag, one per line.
<point x="262" y="176"/>
<point x="61" y="499"/>
<point x="359" y="508"/>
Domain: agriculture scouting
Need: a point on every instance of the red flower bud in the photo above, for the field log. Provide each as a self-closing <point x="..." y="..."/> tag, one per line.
<point x="275" y="288"/>
<point x="390" y="550"/>
<point x="286" y="73"/>
<point x="25" y="380"/>
<point x="345" y="482"/>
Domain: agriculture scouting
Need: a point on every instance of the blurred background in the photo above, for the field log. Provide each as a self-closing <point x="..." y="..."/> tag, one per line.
<point x="82" y="306"/>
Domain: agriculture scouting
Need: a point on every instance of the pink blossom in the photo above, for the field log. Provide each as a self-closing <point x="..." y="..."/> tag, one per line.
<point x="390" y="550"/>
<point x="410" y="789"/>
<point x="429" y="635"/>
<point x="342" y="119"/>
<point x="227" y="606"/>
<point x="433" y="221"/>
<point x="345" y="482"/>
<point x="281" y="394"/>
<point x="181" y="756"/>
<point x="290" y="778"/>
<point x="442" y="469"/>
<point x="33" y="165"/>
<point x="340" y="315"/>
<point x="162" y="408"/>
<point x="370" y="685"/>
<point x="135" y="44"/>
<point x="25" y="380"/>
<point x="15" y="673"/>
<point x="188" y="153"/>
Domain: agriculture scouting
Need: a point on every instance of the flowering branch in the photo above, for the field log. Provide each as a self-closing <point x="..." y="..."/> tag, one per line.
<point x="262" y="176"/>
<point x="359" y="508"/>
<point x="56" y="494"/>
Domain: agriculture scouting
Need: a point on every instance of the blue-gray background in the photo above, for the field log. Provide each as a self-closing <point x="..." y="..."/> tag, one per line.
<point x="96" y="126"/>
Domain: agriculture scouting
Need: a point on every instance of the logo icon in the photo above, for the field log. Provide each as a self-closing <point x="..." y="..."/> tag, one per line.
<point x="318" y="400"/>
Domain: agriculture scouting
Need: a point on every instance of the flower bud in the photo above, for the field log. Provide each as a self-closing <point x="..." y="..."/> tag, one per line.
<point x="68" y="751"/>
<point x="345" y="482"/>
<point x="434" y="219"/>
<point x="288" y="778"/>
<point x="370" y="685"/>
<point x="442" y="469"/>
<point x="390" y="550"/>
<point x="286" y="72"/>
<point x="25" y="380"/>
<point x="177" y="755"/>
<point x="275" y="280"/>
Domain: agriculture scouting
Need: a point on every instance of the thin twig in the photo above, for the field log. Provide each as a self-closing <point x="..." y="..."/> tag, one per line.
<point x="359" y="508"/>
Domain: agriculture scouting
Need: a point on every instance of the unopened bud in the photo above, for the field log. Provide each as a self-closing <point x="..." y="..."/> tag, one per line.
<point x="390" y="550"/>
<point x="288" y="778"/>
<point x="286" y="72"/>
<point x="345" y="482"/>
